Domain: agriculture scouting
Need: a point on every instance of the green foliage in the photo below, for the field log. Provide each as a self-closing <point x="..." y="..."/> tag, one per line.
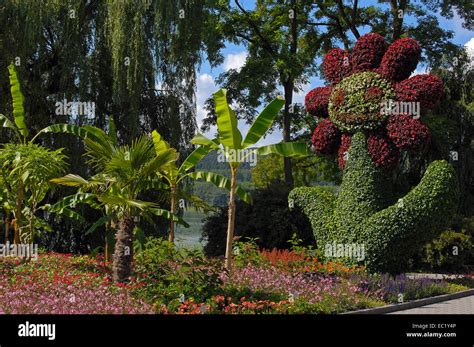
<point x="306" y="171"/>
<point x="397" y="232"/>
<point x="390" y="235"/>
<point x="171" y="273"/>
<point x="451" y="251"/>
<point x="318" y="204"/>
<point x="26" y="171"/>
<point x="269" y="221"/>
<point x="358" y="112"/>
<point x="18" y="100"/>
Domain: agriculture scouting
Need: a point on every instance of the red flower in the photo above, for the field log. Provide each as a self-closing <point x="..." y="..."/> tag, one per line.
<point x="384" y="154"/>
<point x="336" y="65"/>
<point x="317" y="100"/>
<point x="401" y="59"/>
<point x="326" y="137"/>
<point x="426" y="89"/>
<point x="368" y="52"/>
<point x="373" y="93"/>
<point x="408" y="133"/>
<point x="343" y="150"/>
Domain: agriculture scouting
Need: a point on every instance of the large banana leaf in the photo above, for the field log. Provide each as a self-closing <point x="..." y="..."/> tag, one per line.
<point x="170" y="170"/>
<point x="168" y="215"/>
<point x="263" y="122"/>
<point x="18" y="100"/>
<point x="159" y="143"/>
<point x="68" y="129"/>
<point x="286" y="149"/>
<point x="98" y="223"/>
<point x="6" y="123"/>
<point x="200" y="139"/>
<point x="229" y="134"/>
<point x="194" y="158"/>
<point x="221" y="182"/>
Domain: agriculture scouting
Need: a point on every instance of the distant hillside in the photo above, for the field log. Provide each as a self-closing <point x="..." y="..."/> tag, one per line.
<point x="212" y="194"/>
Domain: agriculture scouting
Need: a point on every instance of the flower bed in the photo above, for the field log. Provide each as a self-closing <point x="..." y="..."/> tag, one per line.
<point x="63" y="284"/>
<point x="177" y="282"/>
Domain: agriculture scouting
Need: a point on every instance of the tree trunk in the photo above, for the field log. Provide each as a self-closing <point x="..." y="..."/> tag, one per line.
<point x="109" y="232"/>
<point x="123" y="254"/>
<point x="18" y="215"/>
<point x="397" y="17"/>
<point x="231" y="220"/>
<point x="7" y="226"/>
<point x="173" y="211"/>
<point x="288" y="88"/>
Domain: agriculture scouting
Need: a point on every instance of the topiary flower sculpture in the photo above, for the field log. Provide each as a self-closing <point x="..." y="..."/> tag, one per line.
<point x="369" y="114"/>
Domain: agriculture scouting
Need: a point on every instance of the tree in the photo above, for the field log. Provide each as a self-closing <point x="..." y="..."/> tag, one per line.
<point x="174" y="176"/>
<point x="123" y="172"/>
<point x="235" y="150"/>
<point x="129" y="58"/>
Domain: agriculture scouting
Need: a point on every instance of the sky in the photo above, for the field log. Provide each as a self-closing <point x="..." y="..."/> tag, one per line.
<point x="235" y="56"/>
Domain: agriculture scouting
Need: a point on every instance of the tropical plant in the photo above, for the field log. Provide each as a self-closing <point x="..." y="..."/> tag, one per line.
<point x="174" y="175"/>
<point x="235" y="150"/>
<point x="123" y="172"/>
<point x="26" y="169"/>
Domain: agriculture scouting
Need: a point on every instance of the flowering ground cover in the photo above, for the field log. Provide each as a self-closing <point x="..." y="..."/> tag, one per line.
<point x="169" y="281"/>
<point x="63" y="284"/>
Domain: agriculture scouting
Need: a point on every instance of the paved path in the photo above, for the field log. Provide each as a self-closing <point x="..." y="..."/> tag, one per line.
<point x="456" y="306"/>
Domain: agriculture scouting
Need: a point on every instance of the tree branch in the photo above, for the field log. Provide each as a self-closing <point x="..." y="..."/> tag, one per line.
<point x="266" y="45"/>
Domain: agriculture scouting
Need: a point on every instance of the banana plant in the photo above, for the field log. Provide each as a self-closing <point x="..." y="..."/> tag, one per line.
<point x="174" y="175"/>
<point x="236" y="150"/>
<point x="26" y="170"/>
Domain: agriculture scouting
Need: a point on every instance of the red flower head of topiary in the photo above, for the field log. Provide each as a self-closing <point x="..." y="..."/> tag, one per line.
<point x="364" y="86"/>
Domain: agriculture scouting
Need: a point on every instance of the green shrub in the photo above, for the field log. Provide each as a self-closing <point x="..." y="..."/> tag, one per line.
<point x="169" y="274"/>
<point x="451" y="251"/>
<point x="268" y="220"/>
<point x="359" y="213"/>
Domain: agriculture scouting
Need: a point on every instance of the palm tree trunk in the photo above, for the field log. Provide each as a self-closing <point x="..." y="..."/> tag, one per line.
<point x="173" y="211"/>
<point x="231" y="220"/>
<point x="123" y="255"/>
<point x="109" y="230"/>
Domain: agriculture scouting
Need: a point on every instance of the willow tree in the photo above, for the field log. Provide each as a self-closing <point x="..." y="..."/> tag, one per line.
<point x="133" y="59"/>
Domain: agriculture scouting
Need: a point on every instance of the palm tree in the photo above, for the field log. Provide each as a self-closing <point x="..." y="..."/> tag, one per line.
<point x="123" y="172"/>
<point x="229" y="143"/>
<point x="174" y="175"/>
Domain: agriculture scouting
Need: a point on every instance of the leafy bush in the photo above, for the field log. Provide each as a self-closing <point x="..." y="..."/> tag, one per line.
<point x="169" y="275"/>
<point x="268" y="220"/>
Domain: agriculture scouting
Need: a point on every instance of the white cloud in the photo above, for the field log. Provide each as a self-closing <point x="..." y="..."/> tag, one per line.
<point x="470" y="47"/>
<point x="205" y="86"/>
<point x="235" y="61"/>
